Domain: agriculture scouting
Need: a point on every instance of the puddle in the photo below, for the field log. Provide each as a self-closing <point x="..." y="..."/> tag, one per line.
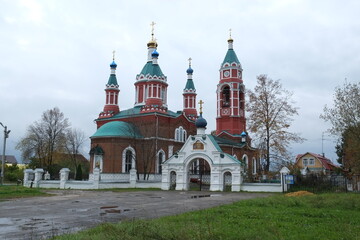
<point x="112" y="209"/>
<point x="200" y="196"/>
<point x="104" y="207"/>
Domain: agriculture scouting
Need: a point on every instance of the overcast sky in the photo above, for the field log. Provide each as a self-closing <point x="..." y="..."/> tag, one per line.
<point x="57" y="53"/>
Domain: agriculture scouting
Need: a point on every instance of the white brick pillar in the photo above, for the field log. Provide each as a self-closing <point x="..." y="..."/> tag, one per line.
<point x="180" y="183"/>
<point x="133" y="177"/>
<point x="236" y="181"/>
<point x="284" y="171"/>
<point x="27" y="174"/>
<point x="38" y="176"/>
<point x="96" y="176"/>
<point x="165" y="178"/>
<point x="64" y="176"/>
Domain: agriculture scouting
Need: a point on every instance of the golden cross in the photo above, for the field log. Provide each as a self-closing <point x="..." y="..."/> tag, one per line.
<point x="201" y="102"/>
<point x="152" y="30"/>
<point x="230" y="32"/>
<point x="190" y="61"/>
<point x="114" y="55"/>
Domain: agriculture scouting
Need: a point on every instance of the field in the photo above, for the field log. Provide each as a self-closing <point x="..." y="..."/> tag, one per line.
<point x="323" y="216"/>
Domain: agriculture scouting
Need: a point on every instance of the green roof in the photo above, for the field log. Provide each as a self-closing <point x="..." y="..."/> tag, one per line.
<point x="214" y="142"/>
<point x="112" y="80"/>
<point x="152" y="70"/>
<point x="136" y="111"/>
<point x="230" y="57"/>
<point x="190" y="84"/>
<point x="225" y="141"/>
<point x="117" y="129"/>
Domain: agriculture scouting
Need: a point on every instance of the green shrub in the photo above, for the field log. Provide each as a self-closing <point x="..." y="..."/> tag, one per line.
<point x="13" y="173"/>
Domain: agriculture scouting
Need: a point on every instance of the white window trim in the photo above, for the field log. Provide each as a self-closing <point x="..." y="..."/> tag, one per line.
<point x="157" y="159"/>
<point x="246" y="162"/>
<point x="133" y="165"/>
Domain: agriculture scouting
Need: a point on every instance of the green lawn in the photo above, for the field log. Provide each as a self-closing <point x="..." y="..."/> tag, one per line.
<point x="325" y="216"/>
<point x="13" y="191"/>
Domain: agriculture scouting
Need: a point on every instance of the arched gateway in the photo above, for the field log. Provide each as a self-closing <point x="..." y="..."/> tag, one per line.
<point x="200" y="165"/>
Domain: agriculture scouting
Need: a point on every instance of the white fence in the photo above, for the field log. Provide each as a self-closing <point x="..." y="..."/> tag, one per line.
<point x="97" y="180"/>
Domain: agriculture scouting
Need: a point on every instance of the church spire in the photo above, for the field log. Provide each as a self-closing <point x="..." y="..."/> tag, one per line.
<point x="151" y="84"/>
<point x="230" y="95"/>
<point x="189" y="95"/>
<point x="112" y="93"/>
<point x="152" y="44"/>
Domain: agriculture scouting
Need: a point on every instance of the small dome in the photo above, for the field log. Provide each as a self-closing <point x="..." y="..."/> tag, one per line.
<point x="243" y="134"/>
<point x="201" y="122"/>
<point x="155" y="54"/>
<point x="189" y="70"/>
<point x="113" y="64"/>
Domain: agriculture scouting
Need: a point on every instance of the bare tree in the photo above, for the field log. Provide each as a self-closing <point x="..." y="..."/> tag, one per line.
<point x="74" y="140"/>
<point x="271" y="113"/>
<point x="344" y="117"/>
<point x="44" y="137"/>
<point x="145" y="141"/>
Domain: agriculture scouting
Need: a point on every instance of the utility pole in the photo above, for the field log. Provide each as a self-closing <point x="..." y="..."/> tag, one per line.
<point x="6" y="135"/>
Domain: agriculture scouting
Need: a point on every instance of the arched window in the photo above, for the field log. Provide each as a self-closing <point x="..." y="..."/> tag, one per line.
<point x="160" y="160"/>
<point x="254" y="165"/>
<point x="245" y="160"/>
<point x="180" y="134"/>
<point x="128" y="159"/>
<point x="177" y="135"/>
<point x="226" y="96"/>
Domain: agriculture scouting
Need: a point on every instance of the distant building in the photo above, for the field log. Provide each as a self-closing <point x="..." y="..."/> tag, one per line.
<point x="9" y="159"/>
<point x="314" y="163"/>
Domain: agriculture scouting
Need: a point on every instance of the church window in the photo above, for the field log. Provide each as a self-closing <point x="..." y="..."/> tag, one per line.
<point x="254" y="165"/>
<point x="246" y="162"/>
<point x="128" y="161"/>
<point x="226" y="96"/>
<point x="161" y="156"/>
<point x="180" y="134"/>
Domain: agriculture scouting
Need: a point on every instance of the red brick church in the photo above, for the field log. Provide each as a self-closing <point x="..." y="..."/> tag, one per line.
<point x="149" y="133"/>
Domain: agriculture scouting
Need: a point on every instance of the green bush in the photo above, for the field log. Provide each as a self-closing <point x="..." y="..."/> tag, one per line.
<point x="13" y="173"/>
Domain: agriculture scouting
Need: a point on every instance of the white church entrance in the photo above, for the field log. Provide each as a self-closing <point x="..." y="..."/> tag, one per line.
<point x="199" y="175"/>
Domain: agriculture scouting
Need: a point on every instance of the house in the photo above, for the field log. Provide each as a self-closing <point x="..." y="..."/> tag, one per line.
<point x="314" y="163"/>
<point x="9" y="159"/>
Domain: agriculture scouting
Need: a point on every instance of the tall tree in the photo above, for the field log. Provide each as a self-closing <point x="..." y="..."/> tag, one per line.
<point x="344" y="117"/>
<point x="74" y="140"/>
<point x="44" y="137"/>
<point x="271" y="113"/>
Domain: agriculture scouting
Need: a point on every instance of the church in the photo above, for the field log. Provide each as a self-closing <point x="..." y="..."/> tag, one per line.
<point x="153" y="140"/>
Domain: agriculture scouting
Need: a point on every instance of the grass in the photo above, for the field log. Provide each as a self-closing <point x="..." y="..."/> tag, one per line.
<point x="14" y="191"/>
<point x="325" y="216"/>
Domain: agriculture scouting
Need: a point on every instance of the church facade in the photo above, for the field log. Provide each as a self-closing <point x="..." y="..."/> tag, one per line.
<point x="149" y="136"/>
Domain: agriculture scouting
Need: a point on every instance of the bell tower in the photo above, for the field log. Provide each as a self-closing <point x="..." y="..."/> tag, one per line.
<point x="112" y="93"/>
<point x="189" y="95"/>
<point x="230" y="96"/>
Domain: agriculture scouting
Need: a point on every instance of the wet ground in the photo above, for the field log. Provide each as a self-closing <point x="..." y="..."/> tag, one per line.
<point x="72" y="210"/>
